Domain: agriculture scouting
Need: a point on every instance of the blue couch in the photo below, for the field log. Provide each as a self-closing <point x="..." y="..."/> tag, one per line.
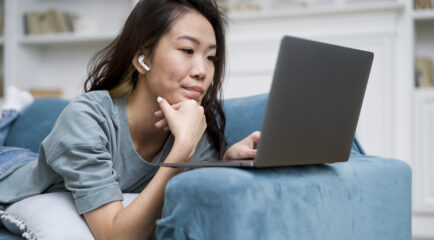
<point x="365" y="198"/>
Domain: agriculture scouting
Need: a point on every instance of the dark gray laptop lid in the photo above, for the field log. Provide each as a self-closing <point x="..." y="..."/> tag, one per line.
<point x="314" y="103"/>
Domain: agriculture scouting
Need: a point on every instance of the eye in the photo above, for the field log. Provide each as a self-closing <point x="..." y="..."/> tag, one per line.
<point x="212" y="58"/>
<point x="187" y="50"/>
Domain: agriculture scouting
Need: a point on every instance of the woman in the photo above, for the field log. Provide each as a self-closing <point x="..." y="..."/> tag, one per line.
<point x="111" y="139"/>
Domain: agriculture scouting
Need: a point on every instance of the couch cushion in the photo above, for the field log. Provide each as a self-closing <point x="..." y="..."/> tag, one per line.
<point x="35" y="123"/>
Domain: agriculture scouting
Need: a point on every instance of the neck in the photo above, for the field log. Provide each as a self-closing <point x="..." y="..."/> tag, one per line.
<point x="141" y="119"/>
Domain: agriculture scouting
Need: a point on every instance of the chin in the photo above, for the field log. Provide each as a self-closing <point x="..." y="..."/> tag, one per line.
<point x="176" y="99"/>
<point x="183" y="96"/>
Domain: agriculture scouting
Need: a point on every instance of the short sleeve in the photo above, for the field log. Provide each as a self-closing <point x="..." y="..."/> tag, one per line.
<point x="88" y="173"/>
<point x="78" y="149"/>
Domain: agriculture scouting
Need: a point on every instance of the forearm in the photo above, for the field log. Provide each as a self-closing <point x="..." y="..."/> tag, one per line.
<point x="137" y="220"/>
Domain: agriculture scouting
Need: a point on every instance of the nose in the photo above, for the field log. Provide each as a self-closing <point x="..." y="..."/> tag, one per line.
<point x="199" y="69"/>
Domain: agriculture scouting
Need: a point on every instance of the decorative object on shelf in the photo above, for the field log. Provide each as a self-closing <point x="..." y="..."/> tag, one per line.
<point x="423" y="4"/>
<point x="49" y="21"/>
<point x="46" y="93"/>
<point x="424" y="74"/>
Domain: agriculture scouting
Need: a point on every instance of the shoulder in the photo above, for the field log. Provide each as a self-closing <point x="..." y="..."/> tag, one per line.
<point x="96" y="97"/>
<point x="95" y="105"/>
<point x="88" y="119"/>
<point x="95" y="101"/>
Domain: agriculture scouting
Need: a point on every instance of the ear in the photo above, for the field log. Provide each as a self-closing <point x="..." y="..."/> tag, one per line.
<point x="136" y="63"/>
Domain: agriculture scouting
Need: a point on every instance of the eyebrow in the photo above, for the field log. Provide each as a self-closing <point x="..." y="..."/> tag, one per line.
<point x="194" y="40"/>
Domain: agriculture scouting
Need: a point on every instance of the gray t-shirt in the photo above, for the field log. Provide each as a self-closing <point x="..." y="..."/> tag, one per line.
<point x="90" y="153"/>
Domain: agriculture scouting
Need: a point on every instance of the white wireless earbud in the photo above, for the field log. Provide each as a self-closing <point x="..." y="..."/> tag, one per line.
<point x="141" y="62"/>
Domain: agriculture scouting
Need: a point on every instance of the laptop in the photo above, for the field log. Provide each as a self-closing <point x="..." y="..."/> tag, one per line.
<point x="312" y="109"/>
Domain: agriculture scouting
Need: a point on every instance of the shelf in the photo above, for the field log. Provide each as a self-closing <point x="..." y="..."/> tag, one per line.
<point x="318" y="10"/>
<point x="420" y="15"/>
<point x="66" y="38"/>
<point x="424" y="90"/>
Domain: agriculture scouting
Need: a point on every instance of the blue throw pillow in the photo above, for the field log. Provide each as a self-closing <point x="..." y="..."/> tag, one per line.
<point x="34" y="123"/>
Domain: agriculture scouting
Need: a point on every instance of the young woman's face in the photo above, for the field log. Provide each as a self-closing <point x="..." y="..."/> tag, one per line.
<point x="183" y="63"/>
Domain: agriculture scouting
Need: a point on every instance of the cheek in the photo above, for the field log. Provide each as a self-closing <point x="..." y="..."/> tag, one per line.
<point x="170" y="66"/>
<point x="210" y="79"/>
<point x="170" y="77"/>
<point x="175" y="69"/>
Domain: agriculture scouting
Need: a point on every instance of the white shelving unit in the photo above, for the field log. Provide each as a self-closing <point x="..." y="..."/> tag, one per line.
<point x="420" y="15"/>
<point x="423" y="130"/>
<point x="66" y="39"/>
<point x="324" y="9"/>
<point x="58" y="61"/>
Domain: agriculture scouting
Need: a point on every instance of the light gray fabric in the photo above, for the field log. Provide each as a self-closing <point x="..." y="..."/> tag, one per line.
<point x="90" y="153"/>
<point x="49" y="216"/>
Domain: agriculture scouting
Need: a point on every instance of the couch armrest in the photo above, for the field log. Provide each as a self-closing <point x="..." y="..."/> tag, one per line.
<point x="364" y="198"/>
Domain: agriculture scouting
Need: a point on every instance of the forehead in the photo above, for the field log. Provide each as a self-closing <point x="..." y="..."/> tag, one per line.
<point x="195" y="25"/>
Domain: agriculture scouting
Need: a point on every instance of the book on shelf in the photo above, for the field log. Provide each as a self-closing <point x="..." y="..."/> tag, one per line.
<point x="424" y="72"/>
<point x="423" y="4"/>
<point x="48" y="21"/>
<point x="45" y="93"/>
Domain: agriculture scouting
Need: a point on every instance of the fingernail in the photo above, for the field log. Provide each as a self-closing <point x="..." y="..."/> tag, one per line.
<point x="159" y="99"/>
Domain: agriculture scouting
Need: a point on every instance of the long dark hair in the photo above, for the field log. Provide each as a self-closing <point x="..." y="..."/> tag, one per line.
<point x="111" y="68"/>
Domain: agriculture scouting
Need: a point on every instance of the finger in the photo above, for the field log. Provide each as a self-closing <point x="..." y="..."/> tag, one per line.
<point x="161" y="124"/>
<point x="255" y="137"/>
<point x="251" y="153"/>
<point x="176" y="106"/>
<point x="165" y="107"/>
<point x="159" y="114"/>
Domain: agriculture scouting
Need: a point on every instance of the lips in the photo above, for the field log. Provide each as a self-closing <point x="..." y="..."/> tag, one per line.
<point x="194" y="92"/>
<point x="195" y="89"/>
